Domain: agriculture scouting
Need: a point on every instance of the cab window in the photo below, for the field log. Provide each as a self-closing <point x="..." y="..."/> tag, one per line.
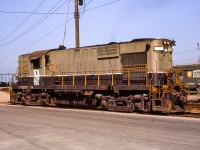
<point x="35" y="63"/>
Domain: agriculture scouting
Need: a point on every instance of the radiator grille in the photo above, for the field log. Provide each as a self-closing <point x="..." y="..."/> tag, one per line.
<point x="109" y="51"/>
<point x="134" y="67"/>
<point x="134" y="58"/>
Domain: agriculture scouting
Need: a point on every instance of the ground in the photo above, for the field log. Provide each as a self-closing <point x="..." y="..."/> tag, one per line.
<point x="47" y="128"/>
<point x="4" y="96"/>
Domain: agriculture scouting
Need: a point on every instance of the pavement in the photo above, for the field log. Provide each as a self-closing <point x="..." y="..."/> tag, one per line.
<point x="45" y="128"/>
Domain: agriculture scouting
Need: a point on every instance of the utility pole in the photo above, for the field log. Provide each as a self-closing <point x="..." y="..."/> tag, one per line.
<point x="76" y="16"/>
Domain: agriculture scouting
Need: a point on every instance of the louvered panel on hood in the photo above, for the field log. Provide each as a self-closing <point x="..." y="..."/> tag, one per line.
<point x="134" y="58"/>
<point x="108" y="51"/>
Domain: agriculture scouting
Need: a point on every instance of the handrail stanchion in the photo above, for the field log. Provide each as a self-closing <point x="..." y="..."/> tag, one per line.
<point x="62" y="79"/>
<point x="147" y="81"/>
<point x="98" y="78"/>
<point x="129" y="81"/>
<point x="73" y="82"/>
<point x="85" y="79"/>
<point x="112" y="78"/>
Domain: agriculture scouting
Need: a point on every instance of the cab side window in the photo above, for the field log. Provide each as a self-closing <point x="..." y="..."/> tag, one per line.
<point x="35" y="63"/>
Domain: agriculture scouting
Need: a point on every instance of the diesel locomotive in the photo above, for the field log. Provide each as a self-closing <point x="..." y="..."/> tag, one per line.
<point x="125" y="76"/>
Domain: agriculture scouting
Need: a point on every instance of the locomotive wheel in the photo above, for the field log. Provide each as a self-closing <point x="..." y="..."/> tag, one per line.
<point x="130" y="106"/>
<point x="43" y="103"/>
<point x="26" y="102"/>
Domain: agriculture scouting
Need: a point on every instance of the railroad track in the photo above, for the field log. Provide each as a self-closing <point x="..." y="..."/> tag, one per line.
<point x="192" y="115"/>
<point x="194" y="106"/>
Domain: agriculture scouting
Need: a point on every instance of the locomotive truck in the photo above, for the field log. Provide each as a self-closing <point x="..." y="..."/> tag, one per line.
<point x="125" y="76"/>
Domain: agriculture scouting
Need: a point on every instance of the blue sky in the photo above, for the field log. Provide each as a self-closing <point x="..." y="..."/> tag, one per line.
<point x="122" y="20"/>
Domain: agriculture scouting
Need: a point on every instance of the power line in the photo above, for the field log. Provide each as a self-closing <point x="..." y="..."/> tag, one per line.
<point x="66" y="23"/>
<point x="61" y="13"/>
<point x="85" y="5"/>
<point x="51" y="32"/>
<point x="102" y="5"/>
<point x="35" y="13"/>
<point x="42" y="19"/>
<point x="23" y="22"/>
<point x="184" y="61"/>
<point x="35" y="41"/>
<point x="33" y="26"/>
<point x="186" y="51"/>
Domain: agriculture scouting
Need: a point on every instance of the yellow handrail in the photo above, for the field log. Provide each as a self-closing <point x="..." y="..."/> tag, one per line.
<point x="85" y="83"/>
<point x="129" y="80"/>
<point x="128" y="71"/>
<point x="98" y="78"/>
<point x="62" y="79"/>
<point x="112" y="79"/>
<point x="73" y="82"/>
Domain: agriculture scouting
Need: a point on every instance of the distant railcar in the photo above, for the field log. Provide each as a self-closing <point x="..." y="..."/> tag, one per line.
<point x="190" y="74"/>
<point x="126" y="76"/>
<point x="3" y="84"/>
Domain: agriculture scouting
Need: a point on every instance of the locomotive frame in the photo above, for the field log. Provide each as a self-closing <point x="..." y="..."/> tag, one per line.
<point x="125" y="76"/>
